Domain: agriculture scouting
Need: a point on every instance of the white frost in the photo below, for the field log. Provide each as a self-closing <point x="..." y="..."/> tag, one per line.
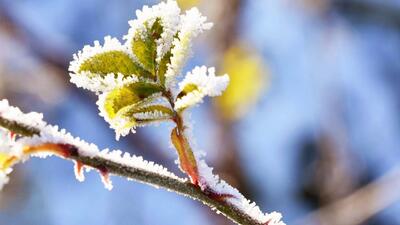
<point x="168" y="13"/>
<point x="192" y="24"/>
<point x="152" y="115"/>
<point x="210" y="181"/>
<point x="123" y="125"/>
<point x="207" y="85"/>
<point x="93" y="82"/>
<point x="119" y="124"/>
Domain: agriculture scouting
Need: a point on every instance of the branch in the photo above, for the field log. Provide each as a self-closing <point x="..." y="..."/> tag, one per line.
<point x="184" y="188"/>
<point x="37" y="137"/>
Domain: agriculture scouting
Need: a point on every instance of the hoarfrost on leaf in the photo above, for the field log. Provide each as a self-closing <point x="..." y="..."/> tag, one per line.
<point x="198" y="83"/>
<point x="191" y="25"/>
<point x="102" y="68"/>
<point x="168" y="13"/>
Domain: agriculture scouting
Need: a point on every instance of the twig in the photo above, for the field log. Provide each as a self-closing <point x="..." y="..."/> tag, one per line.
<point x="102" y="164"/>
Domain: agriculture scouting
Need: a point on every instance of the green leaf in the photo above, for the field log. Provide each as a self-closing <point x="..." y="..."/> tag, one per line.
<point x="144" y="89"/>
<point x="129" y="111"/>
<point x="145" y="48"/>
<point x="127" y="100"/>
<point x="163" y="66"/>
<point x="112" y="62"/>
<point x="153" y="108"/>
<point x="187" y="89"/>
<point x="118" y="99"/>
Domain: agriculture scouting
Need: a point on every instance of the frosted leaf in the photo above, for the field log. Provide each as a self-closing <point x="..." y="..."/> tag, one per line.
<point x="101" y="68"/>
<point x="126" y="108"/>
<point x="121" y="125"/>
<point x="198" y="83"/>
<point x="192" y="24"/>
<point x="168" y="13"/>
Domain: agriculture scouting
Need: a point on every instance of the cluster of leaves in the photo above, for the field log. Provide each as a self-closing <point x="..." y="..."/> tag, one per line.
<point x="136" y="81"/>
<point x="131" y="102"/>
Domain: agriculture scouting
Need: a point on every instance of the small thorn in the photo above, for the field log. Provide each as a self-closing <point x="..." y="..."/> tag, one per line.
<point x="12" y="135"/>
<point x="105" y="178"/>
<point x="78" y="169"/>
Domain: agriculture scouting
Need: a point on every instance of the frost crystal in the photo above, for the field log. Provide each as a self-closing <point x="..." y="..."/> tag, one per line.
<point x="202" y="82"/>
<point x="158" y="115"/>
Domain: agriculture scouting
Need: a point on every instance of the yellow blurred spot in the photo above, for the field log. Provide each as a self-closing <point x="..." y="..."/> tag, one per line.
<point x="3" y="158"/>
<point x="248" y="77"/>
<point x="6" y="161"/>
<point x="187" y="4"/>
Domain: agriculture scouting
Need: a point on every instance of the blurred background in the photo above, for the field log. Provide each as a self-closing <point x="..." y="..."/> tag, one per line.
<point x="309" y="126"/>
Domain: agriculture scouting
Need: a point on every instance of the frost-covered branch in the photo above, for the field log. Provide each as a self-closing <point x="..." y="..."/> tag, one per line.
<point x="26" y="135"/>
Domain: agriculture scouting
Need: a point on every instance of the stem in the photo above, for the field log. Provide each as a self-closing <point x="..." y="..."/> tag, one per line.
<point x="187" y="160"/>
<point x="172" y="184"/>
